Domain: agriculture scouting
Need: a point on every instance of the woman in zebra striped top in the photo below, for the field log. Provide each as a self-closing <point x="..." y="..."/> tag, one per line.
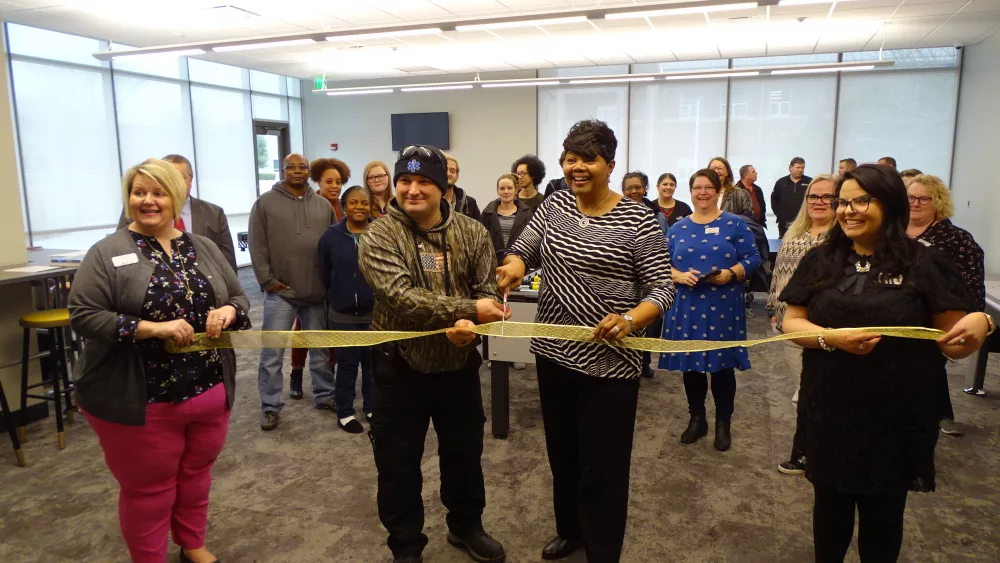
<point x="605" y="265"/>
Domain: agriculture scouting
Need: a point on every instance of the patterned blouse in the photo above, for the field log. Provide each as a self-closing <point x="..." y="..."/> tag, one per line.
<point x="785" y="264"/>
<point x="175" y="378"/>
<point x="959" y="245"/>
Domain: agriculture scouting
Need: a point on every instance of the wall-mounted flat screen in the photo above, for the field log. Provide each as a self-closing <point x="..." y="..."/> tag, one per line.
<point x="420" y="129"/>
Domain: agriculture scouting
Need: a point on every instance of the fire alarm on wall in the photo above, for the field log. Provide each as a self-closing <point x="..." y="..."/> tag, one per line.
<point x="334" y="147"/>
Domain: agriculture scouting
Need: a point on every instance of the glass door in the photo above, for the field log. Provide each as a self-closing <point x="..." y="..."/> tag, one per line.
<point x="271" y="144"/>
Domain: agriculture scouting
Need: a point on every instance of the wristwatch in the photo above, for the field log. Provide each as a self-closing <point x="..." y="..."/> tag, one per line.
<point x="631" y="323"/>
<point x="733" y="272"/>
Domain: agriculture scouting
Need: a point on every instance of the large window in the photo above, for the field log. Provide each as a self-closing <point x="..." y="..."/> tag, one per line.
<point x="154" y="118"/>
<point x="676" y="127"/>
<point x="75" y="145"/>
<point x="909" y="116"/>
<point x="774" y="119"/>
<point x="560" y="108"/>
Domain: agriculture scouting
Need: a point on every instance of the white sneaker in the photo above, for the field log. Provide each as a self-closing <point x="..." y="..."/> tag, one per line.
<point x="795" y="397"/>
<point x="950" y="428"/>
<point x="518" y="365"/>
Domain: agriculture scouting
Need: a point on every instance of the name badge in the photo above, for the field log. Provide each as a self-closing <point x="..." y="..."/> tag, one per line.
<point x="124" y="260"/>
<point x="711" y="230"/>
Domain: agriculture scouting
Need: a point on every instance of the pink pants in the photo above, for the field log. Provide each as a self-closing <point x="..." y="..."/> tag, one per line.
<point x="164" y="470"/>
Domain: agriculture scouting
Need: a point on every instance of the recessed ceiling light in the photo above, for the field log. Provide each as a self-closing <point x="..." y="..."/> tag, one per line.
<point x="680" y="11"/>
<point x="444" y="87"/>
<point x="515" y="84"/>
<point x="271" y="45"/>
<point x="178" y="53"/>
<point x="386" y="34"/>
<point x="360" y="92"/>
<point x="522" y="23"/>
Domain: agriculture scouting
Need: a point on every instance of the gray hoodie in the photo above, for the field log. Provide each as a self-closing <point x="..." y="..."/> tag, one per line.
<point x="284" y="242"/>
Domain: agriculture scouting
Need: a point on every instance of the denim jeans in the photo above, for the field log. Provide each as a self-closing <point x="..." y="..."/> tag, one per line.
<point x="280" y="315"/>
<point x="348" y="360"/>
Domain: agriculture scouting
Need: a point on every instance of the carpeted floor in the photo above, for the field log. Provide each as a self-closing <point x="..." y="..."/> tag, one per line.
<point x="306" y="492"/>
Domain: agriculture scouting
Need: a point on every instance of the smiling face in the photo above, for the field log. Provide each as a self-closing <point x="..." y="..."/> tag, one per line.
<point x="585" y="175"/>
<point x="452" y="172"/>
<point x="506" y="190"/>
<point x="921" y="203"/>
<point x="150" y="204"/>
<point x="330" y="184"/>
<point x="357" y="206"/>
<point x="719" y="168"/>
<point x="821" y="211"/>
<point x="860" y="224"/>
<point x="666" y="188"/>
<point x="634" y="190"/>
<point x="418" y="196"/>
<point x="704" y="196"/>
<point x="378" y="180"/>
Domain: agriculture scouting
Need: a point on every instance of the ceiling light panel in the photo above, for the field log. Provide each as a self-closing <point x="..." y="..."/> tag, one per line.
<point x="611" y="80"/>
<point x="682" y="11"/>
<point x="822" y="70"/>
<point x="385" y="34"/>
<point x="436" y="88"/>
<point x="543" y="22"/>
<point x="269" y="45"/>
<point x="361" y="92"/>
<point x="522" y="84"/>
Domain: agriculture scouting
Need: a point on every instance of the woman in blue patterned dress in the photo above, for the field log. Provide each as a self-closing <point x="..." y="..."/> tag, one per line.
<point x="713" y="251"/>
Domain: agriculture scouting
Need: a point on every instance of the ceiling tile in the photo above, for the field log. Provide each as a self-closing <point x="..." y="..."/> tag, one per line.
<point x="473" y="8"/>
<point x="958" y="30"/>
<point x="936" y="9"/>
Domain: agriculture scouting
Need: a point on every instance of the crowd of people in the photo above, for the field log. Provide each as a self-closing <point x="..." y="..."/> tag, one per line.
<point x="406" y="249"/>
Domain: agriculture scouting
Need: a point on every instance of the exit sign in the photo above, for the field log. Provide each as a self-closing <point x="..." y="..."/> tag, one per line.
<point x="318" y="83"/>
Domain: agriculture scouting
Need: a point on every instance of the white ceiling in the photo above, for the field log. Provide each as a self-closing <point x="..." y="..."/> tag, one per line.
<point x="853" y="25"/>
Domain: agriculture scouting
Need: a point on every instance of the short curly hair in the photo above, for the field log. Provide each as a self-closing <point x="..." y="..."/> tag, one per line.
<point x="536" y="168"/>
<point x="944" y="206"/>
<point x="321" y="165"/>
<point x="636" y="174"/>
<point x="591" y="138"/>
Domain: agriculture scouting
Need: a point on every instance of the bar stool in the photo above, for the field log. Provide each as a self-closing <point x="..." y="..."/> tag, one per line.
<point x="8" y="421"/>
<point x="56" y="320"/>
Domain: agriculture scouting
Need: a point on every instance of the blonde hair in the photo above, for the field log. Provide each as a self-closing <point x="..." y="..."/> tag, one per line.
<point x="944" y="207"/>
<point x="388" y="187"/>
<point x="164" y="174"/>
<point x="455" y="160"/>
<point x="508" y="176"/>
<point x="803" y="222"/>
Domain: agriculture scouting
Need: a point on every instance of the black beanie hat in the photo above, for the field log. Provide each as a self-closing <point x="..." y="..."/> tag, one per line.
<point x="423" y="160"/>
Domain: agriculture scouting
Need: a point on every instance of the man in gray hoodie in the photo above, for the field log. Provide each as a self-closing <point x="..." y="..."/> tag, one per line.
<point x="286" y="224"/>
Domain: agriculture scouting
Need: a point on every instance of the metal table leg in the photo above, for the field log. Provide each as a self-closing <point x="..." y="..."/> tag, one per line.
<point x="500" y="393"/>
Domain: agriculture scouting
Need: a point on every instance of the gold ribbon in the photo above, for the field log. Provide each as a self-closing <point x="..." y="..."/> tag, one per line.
<point x="252" y="339"/>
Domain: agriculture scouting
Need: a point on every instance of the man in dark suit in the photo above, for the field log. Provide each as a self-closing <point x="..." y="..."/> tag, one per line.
<point x="748" y="181"/>
<point x="199" y="216"/>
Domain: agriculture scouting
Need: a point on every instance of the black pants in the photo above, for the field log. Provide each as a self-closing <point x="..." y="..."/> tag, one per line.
<point x="589" y="423"/>
<point x="654" y="330"/>
<point x="944" y="395"/>
<point x="723" y="391"/>
<point x="801" y="424"/>
<point x="404" y="401"/>
<point x="880" y="525"/>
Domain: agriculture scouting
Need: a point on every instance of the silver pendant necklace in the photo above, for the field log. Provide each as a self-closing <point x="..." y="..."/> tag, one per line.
<point x="585" y="220"/>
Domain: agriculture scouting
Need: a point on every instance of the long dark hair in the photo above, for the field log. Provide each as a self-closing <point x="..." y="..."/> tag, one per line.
<point x="666" y="175"/>
<point x="895" y="252"/>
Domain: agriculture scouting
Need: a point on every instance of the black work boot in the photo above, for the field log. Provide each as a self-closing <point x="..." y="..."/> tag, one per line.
<point x="295" y="384"/>
<point x="479" y="545"/>
<point x="723" y="439"/>
<point x="697" y="428"/>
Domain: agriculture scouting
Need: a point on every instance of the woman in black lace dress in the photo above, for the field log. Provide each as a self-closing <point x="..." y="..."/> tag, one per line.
<point x="871" y="401"/>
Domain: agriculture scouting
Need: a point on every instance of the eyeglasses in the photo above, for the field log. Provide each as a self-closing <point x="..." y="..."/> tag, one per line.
<point x="921" y="201"/>
<point x="826" y="199"/>
<point x="425" y="152"/>
<point x="297" y="167"/>
<point x="704" y="189"/>
<point x="378" y="178"/>
<point x="859" y="204"/>
<point x="720" y="170"/>
<point x="521" y="174"/>
<point x="630" y="189"/>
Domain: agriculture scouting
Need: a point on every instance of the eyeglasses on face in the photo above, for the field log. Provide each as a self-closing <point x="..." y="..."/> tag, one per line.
<point x="720" y="170"/>
<point x="630" y="189"/>
<point x="921" y="201"/>
<point x="816" y="199"/>
<point x="859" y="204"/>
<point x="521" y="174"/>
<point x="297" y="167"/>
<point x="704" y="189"/>
<point x="378" y="178"/>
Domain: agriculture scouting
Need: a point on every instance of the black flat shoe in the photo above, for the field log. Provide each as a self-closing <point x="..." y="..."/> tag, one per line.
<point x="723" y="438"/>
<point x="480" y="546"/>
<point x="697" y="428"/>
<point x="558" y="548"/>
<point x="409" y="559"/>
<point x="185" y="559"/>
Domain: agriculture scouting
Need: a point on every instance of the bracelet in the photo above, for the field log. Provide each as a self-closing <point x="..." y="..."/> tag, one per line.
<point x="991" y="327"/>
<point x="822" y="344"/>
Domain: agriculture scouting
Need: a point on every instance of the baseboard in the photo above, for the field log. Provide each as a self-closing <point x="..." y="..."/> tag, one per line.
<point x="34" y="413"/>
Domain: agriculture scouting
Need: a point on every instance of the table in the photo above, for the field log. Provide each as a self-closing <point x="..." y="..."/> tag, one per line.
<point x="41" y="257"/>
<point x="502" y="352"/>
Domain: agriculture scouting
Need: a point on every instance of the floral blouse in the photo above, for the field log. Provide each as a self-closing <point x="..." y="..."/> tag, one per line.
<point x="175" y="378"/>
<point x="959" y="245"/>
